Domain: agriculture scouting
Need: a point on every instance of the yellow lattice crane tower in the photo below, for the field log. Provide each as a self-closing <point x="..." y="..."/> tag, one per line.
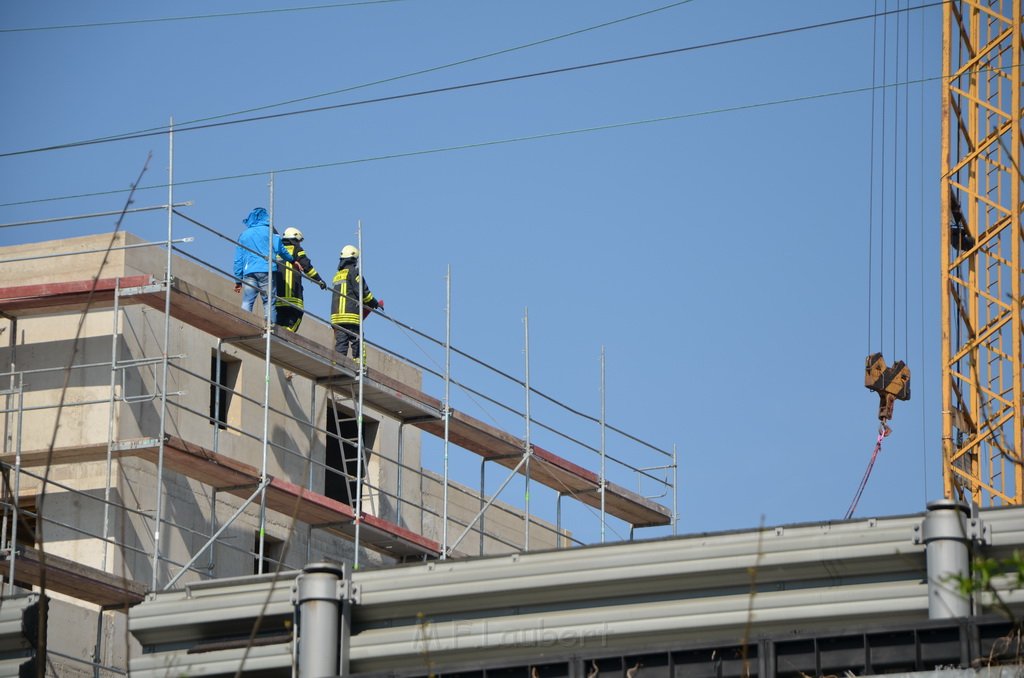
<point x="982" y="361"/>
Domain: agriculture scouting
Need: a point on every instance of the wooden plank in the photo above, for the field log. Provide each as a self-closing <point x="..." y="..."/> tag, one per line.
<point x="555" y="472"/>
<point x="74" y="579"/>
<point x="240" y="479"/>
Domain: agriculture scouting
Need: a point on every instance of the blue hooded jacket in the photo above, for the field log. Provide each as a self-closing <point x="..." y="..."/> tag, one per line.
<point x="255" y="237"/>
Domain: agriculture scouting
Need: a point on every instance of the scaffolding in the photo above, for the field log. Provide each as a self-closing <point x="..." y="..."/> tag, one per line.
<point x="375" y="519"/>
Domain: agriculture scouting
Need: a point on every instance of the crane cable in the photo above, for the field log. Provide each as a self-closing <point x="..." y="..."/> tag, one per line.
<point x="883" y="431"/>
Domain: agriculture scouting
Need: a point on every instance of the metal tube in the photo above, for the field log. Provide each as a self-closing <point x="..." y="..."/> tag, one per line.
<point x="115" y="213"/>
<point x="359" y="402"/>
<point x="558" y="521"/>
<point x="483" y="481"/>
<point x="245" y="504"/>
<point x="158" y="516"/>
<point x="603" y="453"/>
<point x="946" y="549"/>
<point x="217" y="387"/>
<point x="320" y="619"/>
<point x="675" y="491"/>
<point x="528" y="452"/>
<point x="110" y="423"/>
<point x="17" y="486"/>
<point x="267" y="332"/>
<point x="447" y="411"/>
<point x="309" y="460"/>
<point x="490" y="501"/>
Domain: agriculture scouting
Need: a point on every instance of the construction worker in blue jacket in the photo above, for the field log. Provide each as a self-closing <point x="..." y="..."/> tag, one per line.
<point x="251" y="259"/>
<point x="288" y="281"/>
<point x="346" y="311"/>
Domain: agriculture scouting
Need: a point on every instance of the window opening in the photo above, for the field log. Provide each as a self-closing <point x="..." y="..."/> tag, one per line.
<point x="226" y="410"/>
<point x="341" y="457"/>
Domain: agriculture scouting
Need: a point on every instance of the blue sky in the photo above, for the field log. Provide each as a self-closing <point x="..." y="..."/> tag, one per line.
<point x="720" y="256"/>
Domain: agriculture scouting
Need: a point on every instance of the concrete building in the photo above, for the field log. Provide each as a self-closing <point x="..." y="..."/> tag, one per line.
<point x="156" y="436"/>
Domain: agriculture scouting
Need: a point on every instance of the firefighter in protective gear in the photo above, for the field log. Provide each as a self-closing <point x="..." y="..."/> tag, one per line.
<point x="346" y="311"/>
<point x="288" y="282"/>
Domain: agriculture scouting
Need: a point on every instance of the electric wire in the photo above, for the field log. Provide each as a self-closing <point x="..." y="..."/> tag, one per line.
<point x="403" y="76"/>
<point x="921" y="384"/>
<point x="895" y="184"/>
<point x="193" y="17"/>
<point x="881" y="206"/>
<point x="482" y="144"/>
<point x="469" y="85"/>
<point x="871" y="171"/>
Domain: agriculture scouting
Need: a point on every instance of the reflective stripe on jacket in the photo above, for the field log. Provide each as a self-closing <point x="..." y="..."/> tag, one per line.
<point x="345" y="309"/>
<point x="288" y="280"/>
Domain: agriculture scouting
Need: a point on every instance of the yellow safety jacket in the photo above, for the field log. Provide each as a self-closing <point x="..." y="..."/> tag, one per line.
<point x="345" y="309"/>
<point x="288" y="280"/>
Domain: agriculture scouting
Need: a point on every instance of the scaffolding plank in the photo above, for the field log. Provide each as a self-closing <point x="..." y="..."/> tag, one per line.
<point x="239" y="479"/>
<point x="74" y="579"/>
<point x="555" y="472"/>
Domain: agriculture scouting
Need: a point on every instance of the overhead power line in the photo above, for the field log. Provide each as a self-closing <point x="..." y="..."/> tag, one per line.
<point x="481" y="83"/>
<point x="193" y="17"/>
<point x="403" y="76"/>
<point x="484" y="144"/>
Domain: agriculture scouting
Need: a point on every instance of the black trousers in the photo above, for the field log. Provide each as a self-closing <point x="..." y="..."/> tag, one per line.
<point x="344" y="336"/>
<point x="289" y="317"/>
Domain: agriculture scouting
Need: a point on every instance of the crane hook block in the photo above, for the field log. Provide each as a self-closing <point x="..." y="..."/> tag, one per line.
<point x="890" y="383"/>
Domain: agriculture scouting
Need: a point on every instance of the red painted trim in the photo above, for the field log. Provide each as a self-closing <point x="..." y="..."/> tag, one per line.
<point x="44" y="291"/>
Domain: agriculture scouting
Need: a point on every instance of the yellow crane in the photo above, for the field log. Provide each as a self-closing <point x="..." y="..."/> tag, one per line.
<point x="982" y="361"/>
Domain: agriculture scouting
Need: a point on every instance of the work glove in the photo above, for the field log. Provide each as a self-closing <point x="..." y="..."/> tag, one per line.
<point x="238" y="287"/>
<point x="322" y="284"/>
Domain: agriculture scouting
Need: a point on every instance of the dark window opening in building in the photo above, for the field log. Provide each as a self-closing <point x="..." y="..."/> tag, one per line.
<point x="341" y="475"/>
<point x="273" y="552"/>
<point x="225" y="409"/>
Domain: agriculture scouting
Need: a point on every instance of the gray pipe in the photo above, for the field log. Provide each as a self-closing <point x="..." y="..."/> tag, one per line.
<point x="947" y="540"/>
<point x="319" y="599"/>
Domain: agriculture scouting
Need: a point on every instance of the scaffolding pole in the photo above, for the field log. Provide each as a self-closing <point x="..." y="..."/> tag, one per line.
<point x="446" y="413"/>
<point x="528" y="451"/>
<point x="166" y="352"/>
<point x="361" y="371"/>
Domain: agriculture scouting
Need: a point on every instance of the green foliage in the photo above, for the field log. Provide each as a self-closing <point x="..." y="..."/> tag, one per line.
<point x="984" y="573"/>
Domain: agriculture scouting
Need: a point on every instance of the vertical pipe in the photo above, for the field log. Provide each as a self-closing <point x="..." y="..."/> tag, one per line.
<point x="213" y="531"/>
<point x="267" y="334"/>
<point x="320" y="620"/>
<point x="110" y="423"/>
<point x="359" y="401"/>
<point x="603" y="480"/>
<point x="158" y="516"/>
<point x="675" y="491"/>
<point x="218" y="387"/>
<point x="17" y="484"/>
<point x="401" y="466"/>
<point x="946" y="550"/>
<point x="483" y="501"/>
<point x="558" y="521"/>
<point x="309" y="459"/>
<point x="529" y="448"/>
<point x="448" y="408"/>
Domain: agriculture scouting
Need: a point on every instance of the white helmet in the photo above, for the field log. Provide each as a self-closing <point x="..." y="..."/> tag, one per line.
<point x="293" y="233"/>
<point x="349" y="252"/>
